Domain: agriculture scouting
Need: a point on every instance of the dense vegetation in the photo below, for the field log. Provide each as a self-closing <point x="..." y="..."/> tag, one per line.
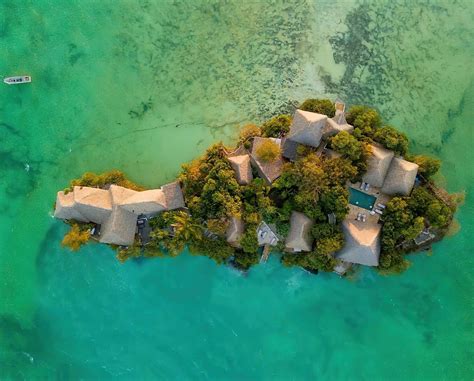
<point x="314" y="184"/>
<point x="103" y="180"/>
<point x="78" y="235"/>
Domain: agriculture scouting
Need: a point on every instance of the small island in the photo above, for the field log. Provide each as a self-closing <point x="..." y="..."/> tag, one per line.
<point x="324" y="189"/>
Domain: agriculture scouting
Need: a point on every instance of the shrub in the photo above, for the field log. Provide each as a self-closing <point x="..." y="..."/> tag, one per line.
<point x="428" y="166"/>
<point x="320" y="106"/>
<point x="77" y="236"/>
<point x="249" y="240"/>
<point x="311" y="261"/>
<point x="392" y="139"/>
<point x="268" y="150"/>
<point x="116" y="177"/>
<point x="392" y="263"/>
<point x="347" y="145"/>
<point x="216" y="249"/>
<point x="249" y="131"/>
<point x="125" y="254"/>
<point x="277" y="126"/>
<point x="364" y="119"/>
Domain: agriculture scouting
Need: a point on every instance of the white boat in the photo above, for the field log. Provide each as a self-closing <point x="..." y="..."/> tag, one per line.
<point x="16" y="80"/>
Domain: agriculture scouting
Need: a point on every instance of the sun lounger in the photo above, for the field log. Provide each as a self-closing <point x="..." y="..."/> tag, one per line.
<point x="378" y="211"/>
<point x="381" y="206"/>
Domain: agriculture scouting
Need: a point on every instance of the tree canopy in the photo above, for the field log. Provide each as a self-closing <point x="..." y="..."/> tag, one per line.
<point x="276" y="127"/>
<point x="320" y="106"/>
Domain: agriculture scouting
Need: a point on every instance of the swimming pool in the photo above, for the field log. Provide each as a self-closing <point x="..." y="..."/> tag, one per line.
<point x="364" y="200"/>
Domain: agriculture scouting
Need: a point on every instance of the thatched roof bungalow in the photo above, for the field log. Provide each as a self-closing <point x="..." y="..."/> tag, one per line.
<point x="148" y="202"/>
<point x="267" y="170"/>
<point x="234" y="231"/>
<point x="242" y="168"/>
<point x="66" y="208"/>
<point x="377" y="166"/>
<point x="117" y="208"/>
<point x="120" y="227"/>
<point x="94" y="204"/>
<point x="307" y="128"/>
<point x="362" y="243"/>
<point x="173" y="195"/>
<point x="400" y="177"/>
<point x="299" y="238"/>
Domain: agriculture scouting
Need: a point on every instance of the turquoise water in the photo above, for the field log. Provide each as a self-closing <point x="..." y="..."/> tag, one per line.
<point x="364" y="200"/>
<point x="144" y="86"/>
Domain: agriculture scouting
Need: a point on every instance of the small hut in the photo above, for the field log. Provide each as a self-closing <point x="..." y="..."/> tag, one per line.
<point x="307" y="128"/>
<point x="242" y="168"/>
<point x="173" y="196"/>
<point x="234" y="231"/>
<point x="400" y="177"/>
<point x="362" y="243"/>
<point x="377" y="166"/>
<point x="266" y="234"/>
<point x="267" y="170"/>
<point x="299" y="237"/>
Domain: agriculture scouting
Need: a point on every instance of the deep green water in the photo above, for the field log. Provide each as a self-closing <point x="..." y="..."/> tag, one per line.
<point x="146" y="85"/>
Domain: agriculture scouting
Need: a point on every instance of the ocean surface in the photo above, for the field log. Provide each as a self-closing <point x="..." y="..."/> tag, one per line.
<point x="144" y="86"/>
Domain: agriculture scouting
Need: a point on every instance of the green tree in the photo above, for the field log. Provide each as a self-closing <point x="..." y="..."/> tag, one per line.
<point x="216" y="249"/>
<point x="209" y="186"/>
<point x="276" y="127"/>
<point x="268" y="151"/>
<point x="77" y="236"/>
<point x="320" y="106"/>
<point x="249" y="240"/>
<point x="428" y="166"/>
<point x="364" y="119"/>
<point x="347" y="145"/>
<point x="249" y="131"/>
<point x="392" y="139"/>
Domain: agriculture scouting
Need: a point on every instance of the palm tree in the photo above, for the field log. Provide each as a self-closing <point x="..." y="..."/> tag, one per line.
<point x="185" y="228"/>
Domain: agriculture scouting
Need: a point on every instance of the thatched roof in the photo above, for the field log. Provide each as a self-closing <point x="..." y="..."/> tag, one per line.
<point x="66" y="208"/>
<point x="271" y="170"/>
<point x="307" y="128"/>
<point x="119" y="194"/>
<point x="242" y="168"/>
<point x="377" y="166"/>
<point x="335" y="125"/>
<point x="93" y="203"/>
<point x="400" y="177"/>
<point x="299" y="237"/>
<point x="240" y="150"/>
<point x="119" y="229"/>
<point x="234" y="231"/>
<point x="289" y="149"/>
<point x="362" y="243"/>
<point x="148" y="202"/>
<point x="173" y="195"/>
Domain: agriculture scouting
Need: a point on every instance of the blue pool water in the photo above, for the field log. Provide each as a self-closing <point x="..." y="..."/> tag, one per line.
<point x="358" y="198"/>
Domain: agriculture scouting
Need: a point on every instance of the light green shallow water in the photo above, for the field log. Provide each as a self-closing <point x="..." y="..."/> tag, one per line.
<point x="144" y="86"/>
